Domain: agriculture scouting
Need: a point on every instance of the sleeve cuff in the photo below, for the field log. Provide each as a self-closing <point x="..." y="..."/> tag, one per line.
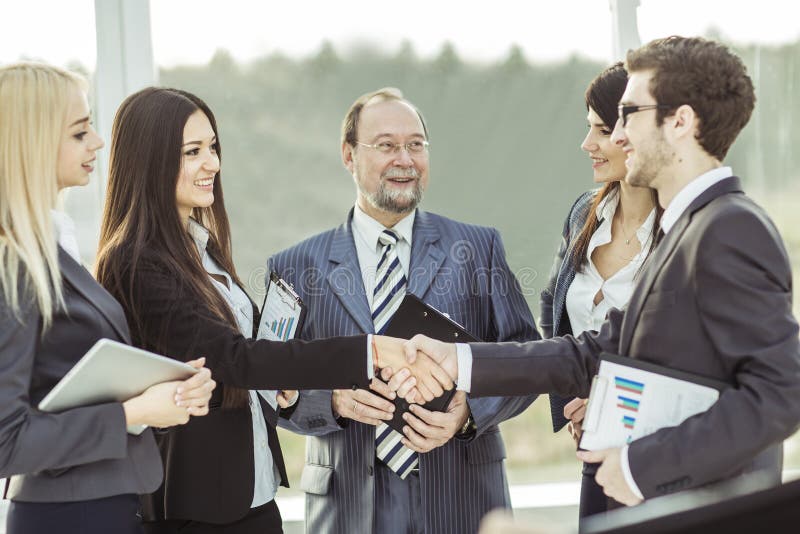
<point x="464" y="355"/>
<point x="626" y="472"/>
<point x="370" y="366"/>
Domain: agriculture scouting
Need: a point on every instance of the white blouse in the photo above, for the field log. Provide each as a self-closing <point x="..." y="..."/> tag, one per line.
<point x="267" y="476"/>
<point x="583" y="313"/>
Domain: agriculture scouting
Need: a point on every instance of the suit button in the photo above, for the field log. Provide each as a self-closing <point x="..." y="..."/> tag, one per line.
<point x="369" y="470"/>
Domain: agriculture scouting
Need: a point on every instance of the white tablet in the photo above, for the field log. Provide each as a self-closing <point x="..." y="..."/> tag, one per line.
<point x="112" y="371"/>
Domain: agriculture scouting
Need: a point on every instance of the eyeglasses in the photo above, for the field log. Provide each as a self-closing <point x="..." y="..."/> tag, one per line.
<point x="624" y="111"/>
<point x="387" y="147"/>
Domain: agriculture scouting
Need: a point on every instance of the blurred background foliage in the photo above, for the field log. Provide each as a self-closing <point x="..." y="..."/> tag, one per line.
<point x="505" y="152"/>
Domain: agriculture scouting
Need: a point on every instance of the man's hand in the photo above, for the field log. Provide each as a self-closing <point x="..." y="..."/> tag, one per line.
<point x="365" y="407"/>
<point x="442" y="353"/>
<point x="575" y="411"/>
<point x="430" y="379"/>
<point x="610" y="476"/>
<point x="429" y="430"/>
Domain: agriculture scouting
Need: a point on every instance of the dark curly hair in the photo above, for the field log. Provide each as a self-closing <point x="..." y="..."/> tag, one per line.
<point x="705" y="75"/>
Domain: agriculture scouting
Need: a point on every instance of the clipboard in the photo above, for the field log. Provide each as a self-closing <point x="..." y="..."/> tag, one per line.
<point x="416" y="317"/>
<point x="283" y="312"/>
<point x="631" y="398"/>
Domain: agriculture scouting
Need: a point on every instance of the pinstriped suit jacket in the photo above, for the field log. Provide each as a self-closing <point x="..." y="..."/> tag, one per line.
<point x="554" y="320"/>
<point x="459" y="269"/>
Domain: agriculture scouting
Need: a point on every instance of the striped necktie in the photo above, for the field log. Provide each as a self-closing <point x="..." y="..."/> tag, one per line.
<point x="390" y="288"/>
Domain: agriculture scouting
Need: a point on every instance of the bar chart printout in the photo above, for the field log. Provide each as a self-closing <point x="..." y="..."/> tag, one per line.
<point x="280" y="315"/>
<point x="628" y="402"/>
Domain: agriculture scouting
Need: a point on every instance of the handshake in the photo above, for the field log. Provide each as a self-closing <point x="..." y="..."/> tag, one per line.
<point x="419" y="369"/>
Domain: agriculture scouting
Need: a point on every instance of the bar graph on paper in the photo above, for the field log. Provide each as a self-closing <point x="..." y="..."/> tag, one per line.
<point x="629" y="397"/>
<point x="282" y="328"/>
<point x="628" y="403"/>
<point x="279" y="317"/>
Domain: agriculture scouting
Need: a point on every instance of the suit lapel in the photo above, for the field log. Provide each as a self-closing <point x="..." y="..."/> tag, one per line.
<point x="662" y="254"/>
<point x="427" y="255"/>
<point x="82" y="281"/>
<point x="345" y="278"/>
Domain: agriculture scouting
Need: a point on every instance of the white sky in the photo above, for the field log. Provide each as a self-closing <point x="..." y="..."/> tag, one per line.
<point x="184" y="31"/>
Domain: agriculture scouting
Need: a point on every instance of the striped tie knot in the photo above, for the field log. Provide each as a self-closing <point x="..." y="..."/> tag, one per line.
<point x="388" y="237"/>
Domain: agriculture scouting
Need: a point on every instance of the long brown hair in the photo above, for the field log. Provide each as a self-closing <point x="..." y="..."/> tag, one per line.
<point x="141" y="214"/>
<point x="603" y="96"/>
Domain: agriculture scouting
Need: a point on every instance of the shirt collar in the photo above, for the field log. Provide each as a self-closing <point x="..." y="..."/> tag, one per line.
<point x="691" y="191"/>
<point x="370" y="229"/>
<point x="199" y="234"/>
<point x="608" y="206"/>
<point x="605" y="213"/>
<point x="66" y="237"/>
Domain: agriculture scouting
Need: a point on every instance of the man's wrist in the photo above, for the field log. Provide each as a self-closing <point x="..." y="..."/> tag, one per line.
<point x="468" y="427"/>
<point x="626" y="472"/>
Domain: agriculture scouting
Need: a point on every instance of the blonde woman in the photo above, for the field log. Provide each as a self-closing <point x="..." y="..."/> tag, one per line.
<point x="75" y="471"/>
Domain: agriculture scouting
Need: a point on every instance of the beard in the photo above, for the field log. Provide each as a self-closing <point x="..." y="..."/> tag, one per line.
<point x="394" y="201"/>
<point x="649" y="162"/>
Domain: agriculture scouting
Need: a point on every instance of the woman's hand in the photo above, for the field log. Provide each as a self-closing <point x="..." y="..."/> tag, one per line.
<point x="430" y="379"/>
<point x="195" y="392"/>
<point x="171" y="403"/>
<point x="575" y="411"/>
<point x="285" y="397"/>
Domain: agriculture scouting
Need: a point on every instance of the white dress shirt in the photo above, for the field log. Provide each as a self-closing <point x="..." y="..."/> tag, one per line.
<point x="691" y="191"/>
<point x="65" y="234"/>
<point x="267" y="476"/>
<point x="583" y="313"/>
<point x="366" y="232"/>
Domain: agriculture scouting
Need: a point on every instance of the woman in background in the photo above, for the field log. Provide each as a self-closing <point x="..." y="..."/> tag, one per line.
<point x="165" y="252"/>
<point x="77" y="471"/>
<point x="607" y="235"/>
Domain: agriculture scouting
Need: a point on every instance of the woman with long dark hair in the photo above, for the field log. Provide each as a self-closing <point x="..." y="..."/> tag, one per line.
<point x="76" y="471"/>
<point x="607" y="235"/>
<point x="165" y="253"/>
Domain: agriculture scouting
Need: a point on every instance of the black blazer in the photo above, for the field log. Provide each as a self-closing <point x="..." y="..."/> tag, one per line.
<point x="209" y="461"/>
<point x="83" y="453"/>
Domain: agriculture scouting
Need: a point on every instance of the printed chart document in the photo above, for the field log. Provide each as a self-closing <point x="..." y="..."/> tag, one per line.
<point x="282" y="318"/>
<point x="283" y="312"/>
<point x="631" y="398"/>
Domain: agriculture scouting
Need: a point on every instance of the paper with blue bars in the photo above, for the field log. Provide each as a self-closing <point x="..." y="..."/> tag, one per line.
<point x="630" y="399"/>
<point x="281" y="313"/>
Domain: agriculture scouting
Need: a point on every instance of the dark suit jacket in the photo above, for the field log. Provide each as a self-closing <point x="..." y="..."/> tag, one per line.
<point x="714" y="299"/>
<point x="209" y="461"/>
<point x="83" y="453"/>
<point x="459" y="269"/>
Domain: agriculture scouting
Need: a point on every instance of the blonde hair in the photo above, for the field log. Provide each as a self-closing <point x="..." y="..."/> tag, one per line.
<point x="34" y="101"/>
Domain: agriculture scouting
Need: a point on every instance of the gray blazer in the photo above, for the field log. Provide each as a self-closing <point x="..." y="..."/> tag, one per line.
<point x="83" y="453"/>
<point x="553" y="299"/>
<point x="714" y="299"/>
<point x="459" y="269"/>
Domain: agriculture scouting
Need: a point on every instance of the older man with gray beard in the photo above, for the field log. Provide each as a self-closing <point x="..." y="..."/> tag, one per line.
<point x="447" y="469"/>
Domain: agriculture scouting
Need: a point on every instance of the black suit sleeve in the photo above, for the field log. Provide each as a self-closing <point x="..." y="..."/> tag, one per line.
<point x="561" y="365"/>
<point x="743" y="291"/>
<point x="177" y="325"/>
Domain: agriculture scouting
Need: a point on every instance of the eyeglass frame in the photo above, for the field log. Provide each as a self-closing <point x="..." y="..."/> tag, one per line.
<point x="397" y="146"/>
<point x="624" y="111"/>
